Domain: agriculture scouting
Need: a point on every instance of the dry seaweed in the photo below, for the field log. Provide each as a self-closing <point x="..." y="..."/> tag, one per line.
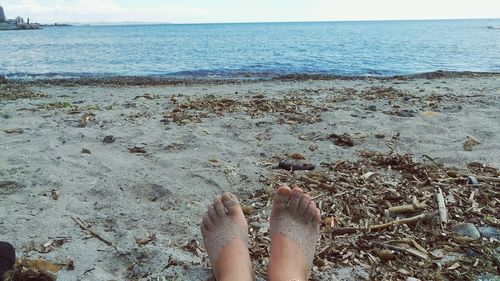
<point x="380" y="213"/>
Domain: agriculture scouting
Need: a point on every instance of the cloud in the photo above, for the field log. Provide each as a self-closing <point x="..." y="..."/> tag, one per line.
<point x="104" y="11"/>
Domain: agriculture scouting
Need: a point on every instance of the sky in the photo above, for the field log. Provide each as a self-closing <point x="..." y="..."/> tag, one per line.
<point x="215" y="11"/>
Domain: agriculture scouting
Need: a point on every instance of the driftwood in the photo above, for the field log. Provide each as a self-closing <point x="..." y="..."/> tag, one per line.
<point x="443" y="213"/>
<point x="410" y="251"/>
<point x="406" y="208"/>
<point x="379" y="227"/>
<point x="91" y="231"/>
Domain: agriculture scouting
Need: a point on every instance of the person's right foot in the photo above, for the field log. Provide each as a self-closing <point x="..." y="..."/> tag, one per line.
<point x="294" y="233"/>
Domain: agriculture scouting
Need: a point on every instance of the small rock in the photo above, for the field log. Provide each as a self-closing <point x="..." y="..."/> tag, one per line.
<point x="372" y="108"/>
<point x="472" y="180"/>
<point x="313" y="147"/>
<point x="406" y="113"/>
<point x="467" y="230"/>
<point x="86" y="151"/>
<point x="380" y="135"/>
<point x="489" y="232"/>
<point x="406" y="98"/>
<point x="109" y="139"/>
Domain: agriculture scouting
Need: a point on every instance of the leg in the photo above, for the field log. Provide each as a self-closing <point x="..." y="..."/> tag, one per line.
<point x="225" y="235"/>
<point x="7" y="258"/>
<point x="294" y="233"/>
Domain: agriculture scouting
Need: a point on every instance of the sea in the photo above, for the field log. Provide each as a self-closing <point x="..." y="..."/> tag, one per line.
<point x="351" y="48"/>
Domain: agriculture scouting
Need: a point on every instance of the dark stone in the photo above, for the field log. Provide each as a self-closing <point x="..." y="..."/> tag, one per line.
<point x="109" y="139"/>
<point x="372" y="108"/>
<point x="407" y="98"/>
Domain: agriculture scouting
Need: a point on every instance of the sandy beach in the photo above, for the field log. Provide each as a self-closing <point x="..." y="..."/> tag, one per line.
<point x="139" y="163"/>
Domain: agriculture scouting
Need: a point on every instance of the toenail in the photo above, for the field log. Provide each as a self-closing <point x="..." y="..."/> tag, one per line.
<point x="226" y="196"/>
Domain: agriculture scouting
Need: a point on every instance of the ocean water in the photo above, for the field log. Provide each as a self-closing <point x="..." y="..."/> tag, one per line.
<point x="254" y="49"/>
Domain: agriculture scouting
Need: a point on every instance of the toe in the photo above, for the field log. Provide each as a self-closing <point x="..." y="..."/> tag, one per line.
<point x="295" y="198"/>
<point x="310" y="212"/>
<point x="219" y="207"/>
<point x="317" y="218"/>
<point x="282" y="196"/>
<point x="303" y="204"/>
<point x="231" y="204"/>
<point x="212" y="213"/>
<point x="207" y="223"/>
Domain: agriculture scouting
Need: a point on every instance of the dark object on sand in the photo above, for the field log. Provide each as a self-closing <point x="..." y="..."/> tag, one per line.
<point x="295" y="166"/>
<point x="7" y="258"/>
<point x="109" y="139"/>
<point x="342" y="140"/>
<point x="137" y="149"/>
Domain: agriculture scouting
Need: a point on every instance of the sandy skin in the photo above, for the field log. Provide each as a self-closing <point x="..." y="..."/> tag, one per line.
<point x="294" y="232"/>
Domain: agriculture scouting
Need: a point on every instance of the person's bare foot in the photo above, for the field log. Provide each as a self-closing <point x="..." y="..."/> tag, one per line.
<point x="225" y="235"/>
<point x="294" y="233"/>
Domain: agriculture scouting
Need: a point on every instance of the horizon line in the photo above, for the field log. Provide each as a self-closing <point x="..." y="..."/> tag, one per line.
<point x="257" y="22"/>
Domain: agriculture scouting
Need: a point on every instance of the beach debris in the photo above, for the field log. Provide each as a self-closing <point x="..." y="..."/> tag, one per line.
<point x="87" y="118"/>
<point x="88" y="229"/>
<point x="386" y="255"/>
<point x="55" y="194"/>
<point x="469" y="143"/>
<point x="14" y="131"/>
<point x="294" y="166"/>
<point x="472" y="180"/>
<point x="489" y="232"/>
<point x="355" y="209"/>
<point x="137" y="150"/>
<point x="443" y="212"/>
<point x="313" y="147"/>
<point x="193" y="246"/>
<point x="147" y="96"/>
<point x="15" y="91"/>
<point x="247" y="210"/>
<point x="146" y="240"/>
<point x="380" y="135"/>
<point x="405" y="113"/>
<point x="9" y="187"/>
<point x="109" y="139"/>
<point x="380" y="227"/>
<point x="467" y="230"/>
<point x="342" y="140"/>
<point x="428" y="113"/>
<point x="85" y="151"/>
<point x="296" y="156"/>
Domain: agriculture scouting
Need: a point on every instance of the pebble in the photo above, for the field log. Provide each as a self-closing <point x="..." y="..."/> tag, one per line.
<point x="380" y="135"/>
<point x="489" y="232"/>
<point x="372" y="108"/>
<point x="467" y="230"/>
<point x="109" y="139"/>
<point x="313" y="147"/>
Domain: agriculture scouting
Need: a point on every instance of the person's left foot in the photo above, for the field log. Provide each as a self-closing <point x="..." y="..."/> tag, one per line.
<point x="7" y="258"/>
<point x="225" y="236"/>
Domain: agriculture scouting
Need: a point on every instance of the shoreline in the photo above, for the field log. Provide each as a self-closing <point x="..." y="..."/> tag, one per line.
<point x="238" y="79"/>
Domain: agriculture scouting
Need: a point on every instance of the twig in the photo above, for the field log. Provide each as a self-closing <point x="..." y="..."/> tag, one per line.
<point x="379" y="227"/>
<point x="318" y="183"/>
<point x="403" y="250"/>
<point x="95" y="234"/>
<point x="443" y="213"/>
<point x="406" y="208"/>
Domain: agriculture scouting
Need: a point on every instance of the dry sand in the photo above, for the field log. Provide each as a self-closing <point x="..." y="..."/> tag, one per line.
<point x="125" y="196"/>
